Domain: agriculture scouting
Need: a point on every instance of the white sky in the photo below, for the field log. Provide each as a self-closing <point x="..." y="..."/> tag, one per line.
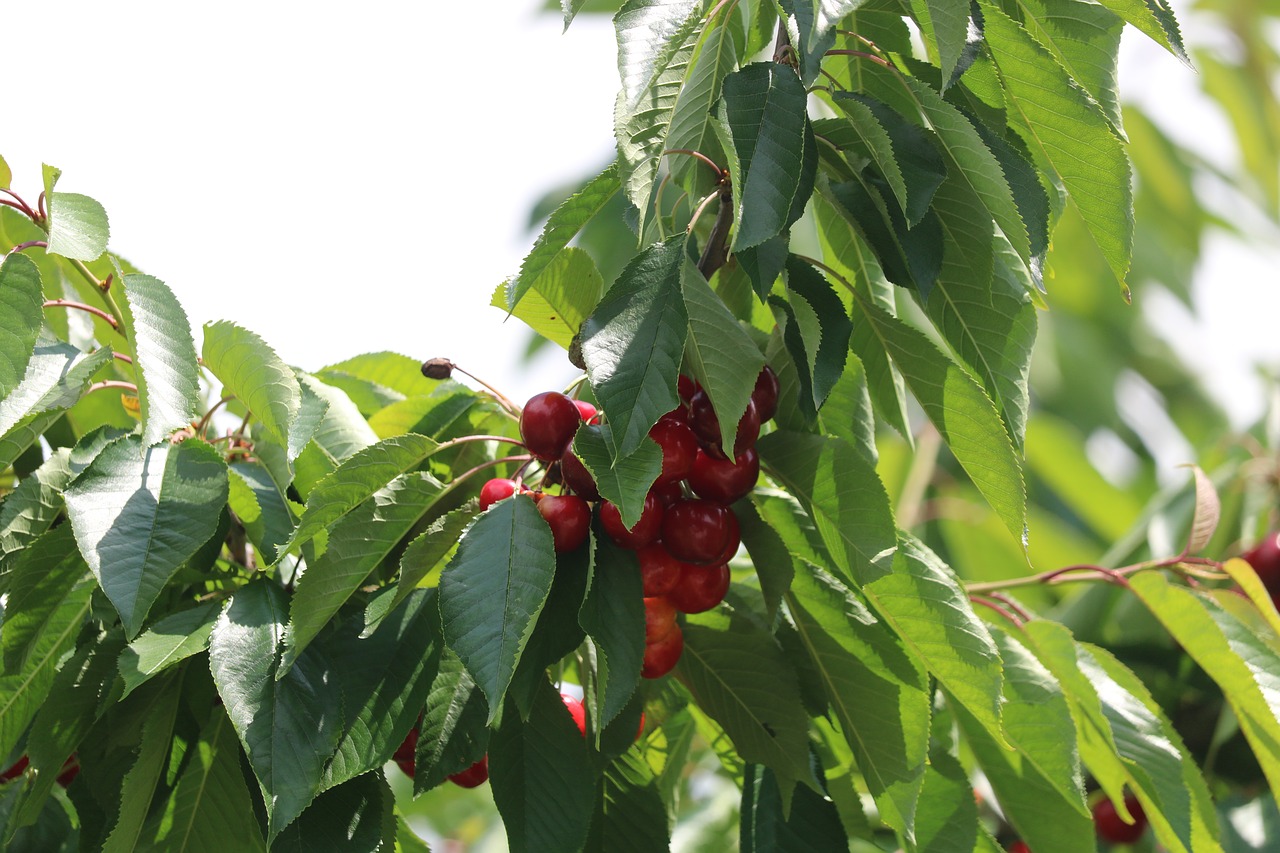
<point x="343" y="183"/>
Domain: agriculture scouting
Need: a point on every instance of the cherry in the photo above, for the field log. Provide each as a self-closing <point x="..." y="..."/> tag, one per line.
<point x="475" y="775"/>
<point x="548" y="423"/>
<point x="660" y="657"/>
<point x="700" y="589"/>
<point x="577" y="477"/>
<point x="645" y="530"/>
<point x="724" y="481"/>
<point x="659" y="619"/>
<point x="70" y="770"/>
<point x="667" y="493"/>
<point x="406" y="753"/>
<point x="15" y="771"/>
<point x="1019" y="847"/>
<point x="587" y="410"/>
<point x="497" y="489"/>
<point x="686" y="387"/>
<point x="576" y="710"/>
<point x="705" y="424"/>
<point x="570" y="520"/>
<point x="765" y="394"/>
<point x="1265" y="559"/>
<point x="659" y="571"/>
<point x="699" y="531"/>
<point x="1111" y="827"/>
<point x="679" y="446"/>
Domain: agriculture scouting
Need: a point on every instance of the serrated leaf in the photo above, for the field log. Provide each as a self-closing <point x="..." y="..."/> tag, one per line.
<point x="356" y="545"/>
<point x="140" y="512"/>
<point x="425" y="553"/>
<point x="739" y="676"/>
<point x="78" y="227"/>
<point x="910" y="257"/>
<point x="723" y="358"/>
<point x="210" y="800"/>
<point x="391" y="371"/>
<point x="872" y="142"/>
<point x="1247" y="579"/>
<point x="44" y="575"/>
<point x="570" y="8"/>
<point x="817" y="334"/>
<point x="877" y="691"/>
<point x="144" y="776"/>
<point x="612" y="614"/>
<point x="624" y="481"/>
<point x="945" y="23"/>
<point x="21" y="298"/>
<point x="765" y="129"/>
<point x="630" y="815"/>
<point x="169" y="641"/>
<point x="961" y="411"/>
<point x="384" y="679"/>
<point x="564" y="223"/>
<point x="56" y="376"/>
<point x="261" y="507"/>
<point x="249" y="369"/>
<point x="453" y="733"/>
<point x="633" y="343"/>
<point x="1085" y="39"/>
<point x="1069" y="134"/>
<point x="692" y="122"/>
<point x="493" y="590"/>
<point x="1155" y="19"/>
<point x="541" y="778"/>
<point x="809" y="822"/>
<point x="289" y="727"/>
<point x="1207" y="512"/>
<point x="948" y="817"/>
<point x="31" y="509"/>
<point x="164" y="357"/>
<point x="646" y="30"/>
<point x="357" y="817"/>
<point x="560" y="298"/>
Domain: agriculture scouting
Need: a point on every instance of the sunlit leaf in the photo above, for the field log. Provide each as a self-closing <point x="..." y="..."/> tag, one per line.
<point x="21" y="297"/>
<point x="164" y="357"/>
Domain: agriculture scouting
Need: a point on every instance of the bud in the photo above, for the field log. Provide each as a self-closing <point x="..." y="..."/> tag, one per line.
<point x="437" y="368"/>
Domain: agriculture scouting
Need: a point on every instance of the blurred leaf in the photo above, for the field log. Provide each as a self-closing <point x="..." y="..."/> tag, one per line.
<point x="1207" y="513"/>
<point x="809" y="822"/>
<point x="948" y="816"/>
<point x="252" y="372"/>
<point x="356" y="816"/>
<point x="21" y="297"/>
<point x="164" y="357"/>
<point x="630" y="815"/>
<point x="78" y="226"/>
<point x="390" y="371"/>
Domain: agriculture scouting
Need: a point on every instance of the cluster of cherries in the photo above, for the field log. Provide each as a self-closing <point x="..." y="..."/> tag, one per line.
<point x="686" y="533"/>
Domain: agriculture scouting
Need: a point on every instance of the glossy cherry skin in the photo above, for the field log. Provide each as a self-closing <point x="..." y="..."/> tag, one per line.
<point x="699" y="531"/>
<point x="497" y="489"/>
<point x="587" y="410"/>
<point x="700" y="589"/>
<point x="570" y="520"/>
<point x="474" y="776"/>
<point x="1265" y="559"/>
<point x="547" y="424"/>
<point x="659" y="571"/>
<point x="576" y="710"/>
<point x="16" y="770"/>
<point x="1111" y="827"/>
<point x="765" y="394"/>
<point x="659" y="619"/>
<point x="686" y="387"/>
<point x="577" y="477"/>
<point x="722" y="480"/>
<point x="661" y="657"/>
<point x="406" y="753"/>
<point x="645" y="530"/>
<point x="706" y="426"/>
<point x="679" y="446"/>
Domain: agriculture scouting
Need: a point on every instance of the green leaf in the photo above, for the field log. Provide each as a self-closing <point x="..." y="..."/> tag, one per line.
<point x="633" y="342"/>
<point x="384" y="679"/>
<point x="877" y="691"/>
<point x="647" y="33"/>
<point x="210" y="801"/>
<point x="945" y="23"/>
<point x="492" y="592"/>
<point x="1069" y="134"/>
<point x="21" y="298"/>
<point x="252" y="372"/>
<point x="561" y="227"/>
<point x="948" y="818"/>
<point x="31" y="509"/>
<point x="560" y="298"/>
<point x="765" y="129"/>
<point x="739" y="676"/>
<point x="261" y="507"/>
<point x="289" y="727"/>
<point x="1155" y="19"/>
<point x="692" y="125"/>
<point x="1085" y="39"/>
<point x="140" y="512"/>
<point x="356" y="545"/>
<point x="911" y="256"/>
<point x="144" y="776"/>
<point x="425" y="553"/>
<point x="810" y="821"/>
<point x="541" y="777"/>
<point x="169" y="641"/>
<point x="1207" y="512"/>
<point x="390" y="371"/>
<point x="625" y="481"/>
<point x="78" y="227"/>
<point x="962" y="413"/>
<point x="43" y="577"/>
<point x="630" y="816"/>
<point x="721" y="355"/>
<point x="817" y="333"/>
<point x="23" y="691"/>
<point x="874" y="143"/>
<point x="164" y="357"/>
<point x="571" y="8"/>
<point x="6" y="174"/>
<point x="453" y="733"/>
<point x="55" y="378"/>
<point x="613" y="615"/>
<point x="357" y="817"/>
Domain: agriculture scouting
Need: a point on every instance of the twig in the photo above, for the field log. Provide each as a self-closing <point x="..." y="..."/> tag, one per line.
<point x="80" y="306"/>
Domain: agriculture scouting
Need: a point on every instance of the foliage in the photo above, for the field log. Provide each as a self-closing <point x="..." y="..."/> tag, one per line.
<point x="233" y="588"/>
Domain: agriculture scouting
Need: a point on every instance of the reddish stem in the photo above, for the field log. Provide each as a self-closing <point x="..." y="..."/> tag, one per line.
<point x="112" y="383"/>
<point x="697" y="155"/>
<point x="80" y="306"/>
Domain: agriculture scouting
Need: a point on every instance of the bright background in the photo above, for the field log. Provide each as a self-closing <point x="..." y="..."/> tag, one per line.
<point x="346" y="182"/>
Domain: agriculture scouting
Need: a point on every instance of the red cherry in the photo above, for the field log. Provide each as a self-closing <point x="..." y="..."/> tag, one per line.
<point x="1111" y="827"/>
<point x="679" y="446"/>
<point x="587" y="410"/>
<point x="699" y="531"/>
<point x="700" y="589"/>
<point x="765" y="394"/>
<point x="724" y="481"/>
<point x="570" y="520"/>
<point x="705" y="424"/>
<point x="408" y="748"/>
<point x="1019" y="847"/>
<point x="497" y="489"/>
<point x="1265" y="559"/>
<point x="667" y="493"/>
<point x="576" y="710"/>
<point x="475" y="775"/>
<point x="577" y="477"/>
<point x="660" y="657"/>
<point x="15" y="771"/>
<point x="686" y="387"/>
<point x="548" y="423"/>
<point x="659" y="619"/>
<point x="70" y="770"/>
<point x="659" y="571"/>
<point x="645" y="530"/>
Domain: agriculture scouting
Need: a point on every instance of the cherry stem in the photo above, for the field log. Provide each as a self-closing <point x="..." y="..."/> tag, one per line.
<point x="861" y="54"/>
<point x="204" y="421"/>
<point x="112" y="383"/>
<point x="119" y="356"/>
<point x="80" y="306"/>
<point x="697" y="212"/>
<point x="697" y="155"/>
<point x="465" y="439"/>
<point x="987" y="602"/>
<point x="17" y="203"/>
<point x="30" y="244"/>
<point x="492" y="463"/>
<point x="512" y="408"/>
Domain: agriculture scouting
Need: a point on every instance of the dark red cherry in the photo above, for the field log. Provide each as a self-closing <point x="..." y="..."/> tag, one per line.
<point x="569" y="518"/>
<point x="722" y="480"/>
<point x="645" y="530"/>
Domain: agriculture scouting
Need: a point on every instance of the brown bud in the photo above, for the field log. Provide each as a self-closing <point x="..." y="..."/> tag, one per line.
<point x="437" y="368"/>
